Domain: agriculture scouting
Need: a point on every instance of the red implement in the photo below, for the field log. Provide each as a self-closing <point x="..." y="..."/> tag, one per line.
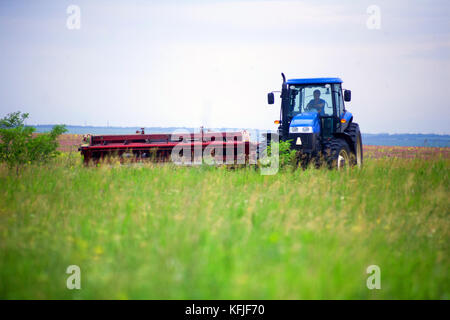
<point x="223" y="147"/>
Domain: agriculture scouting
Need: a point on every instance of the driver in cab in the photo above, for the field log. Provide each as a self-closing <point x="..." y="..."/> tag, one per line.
<point x="316" y="104"/>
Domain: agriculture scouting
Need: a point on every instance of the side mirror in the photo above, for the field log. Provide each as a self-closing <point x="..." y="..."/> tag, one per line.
<point x="347" y="95"/>
<point x="270" y="98"/>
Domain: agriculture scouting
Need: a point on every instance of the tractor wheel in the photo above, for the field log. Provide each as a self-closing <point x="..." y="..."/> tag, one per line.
<point x="337" y="155"/>
<point x="355" y="134"/>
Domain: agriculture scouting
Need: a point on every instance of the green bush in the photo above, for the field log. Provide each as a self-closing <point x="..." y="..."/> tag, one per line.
<point x="288" y="156"/>
<point x="18" y="146"/>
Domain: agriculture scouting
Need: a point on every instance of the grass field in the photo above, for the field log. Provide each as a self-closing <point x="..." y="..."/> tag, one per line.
<point x="166" y="232"/>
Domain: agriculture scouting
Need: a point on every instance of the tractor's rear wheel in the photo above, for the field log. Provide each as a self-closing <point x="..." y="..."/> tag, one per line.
<point x="357" y="152"/>
<point x="337" y="155"/>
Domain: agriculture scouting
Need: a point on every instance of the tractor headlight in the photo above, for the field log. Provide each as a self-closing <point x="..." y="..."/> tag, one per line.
<point x="300" y="130"/>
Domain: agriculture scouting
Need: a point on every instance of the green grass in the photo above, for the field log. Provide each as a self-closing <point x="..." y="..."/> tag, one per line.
<point x="165" y="232"/>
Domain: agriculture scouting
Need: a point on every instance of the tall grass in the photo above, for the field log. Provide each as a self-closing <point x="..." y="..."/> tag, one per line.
<point x="167" y="232"/>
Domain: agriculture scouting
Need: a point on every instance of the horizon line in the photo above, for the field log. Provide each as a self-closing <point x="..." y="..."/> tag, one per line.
<point x="186" y="127"/>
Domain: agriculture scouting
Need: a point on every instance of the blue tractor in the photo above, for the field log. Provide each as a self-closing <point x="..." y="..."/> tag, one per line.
<point x="314" y="119"/>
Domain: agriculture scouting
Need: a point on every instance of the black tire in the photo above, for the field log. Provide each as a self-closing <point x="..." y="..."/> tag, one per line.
<point x="357" y="150"/>
<point x="337" y="154"/>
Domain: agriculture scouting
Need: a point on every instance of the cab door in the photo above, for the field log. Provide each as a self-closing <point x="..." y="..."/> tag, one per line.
<point x="338" y="102"/>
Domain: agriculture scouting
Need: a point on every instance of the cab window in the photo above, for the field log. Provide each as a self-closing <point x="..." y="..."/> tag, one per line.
<point x="338" y="98"/>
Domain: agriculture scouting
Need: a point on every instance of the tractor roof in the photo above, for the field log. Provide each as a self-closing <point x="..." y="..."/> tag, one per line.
<point x="314" y="81"/>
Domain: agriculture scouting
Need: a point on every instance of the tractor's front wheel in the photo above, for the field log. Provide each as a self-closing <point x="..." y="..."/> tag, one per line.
<point x="337" y="155"/>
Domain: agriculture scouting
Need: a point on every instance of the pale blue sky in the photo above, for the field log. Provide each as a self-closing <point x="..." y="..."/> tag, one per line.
<point x="211" y="63"/>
